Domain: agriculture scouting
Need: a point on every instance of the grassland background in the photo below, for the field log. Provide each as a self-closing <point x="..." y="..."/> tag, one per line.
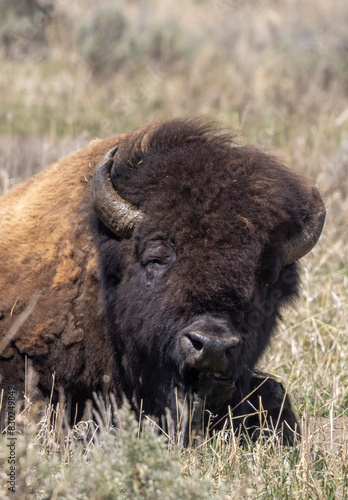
<point x="277" y="72"/>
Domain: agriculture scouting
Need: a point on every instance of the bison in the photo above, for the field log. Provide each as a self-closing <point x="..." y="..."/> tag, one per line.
<point x="156" y="264"/>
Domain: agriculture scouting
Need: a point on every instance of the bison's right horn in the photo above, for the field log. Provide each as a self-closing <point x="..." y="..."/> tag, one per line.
<point x="117" y="214"/>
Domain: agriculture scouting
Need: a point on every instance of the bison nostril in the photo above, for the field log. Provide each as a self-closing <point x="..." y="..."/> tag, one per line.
<point x="202" y="346"/>
<point x="231" y="351"/>
<point x="196" y="344"/>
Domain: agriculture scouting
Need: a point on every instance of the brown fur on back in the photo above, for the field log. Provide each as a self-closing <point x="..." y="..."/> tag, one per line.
<point x="46" y="248"/>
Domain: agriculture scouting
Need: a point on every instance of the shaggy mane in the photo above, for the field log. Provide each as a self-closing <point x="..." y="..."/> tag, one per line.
<point x="159" y="137"/>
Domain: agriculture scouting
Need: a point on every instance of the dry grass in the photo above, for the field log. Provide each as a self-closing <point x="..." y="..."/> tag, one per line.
<point x="109" y="456"/>
<point x="276" y="71"/>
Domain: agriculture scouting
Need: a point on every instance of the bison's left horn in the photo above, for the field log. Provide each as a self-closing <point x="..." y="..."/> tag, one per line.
<point x="117" y="214"/>
<point x="313" y="222"/>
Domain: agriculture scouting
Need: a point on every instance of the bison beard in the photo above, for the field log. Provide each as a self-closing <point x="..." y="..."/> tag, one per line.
<point x="197" y="241"/>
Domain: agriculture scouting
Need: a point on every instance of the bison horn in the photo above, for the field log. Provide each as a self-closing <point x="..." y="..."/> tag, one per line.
<point x="313" y="222"/>
<point x="117" y="214"/>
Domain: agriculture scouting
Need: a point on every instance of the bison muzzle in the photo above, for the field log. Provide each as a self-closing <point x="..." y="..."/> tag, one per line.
<point x="160" y="261"/>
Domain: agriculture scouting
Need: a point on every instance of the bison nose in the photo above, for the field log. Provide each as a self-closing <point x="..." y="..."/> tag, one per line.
<point x="203" y="351"/>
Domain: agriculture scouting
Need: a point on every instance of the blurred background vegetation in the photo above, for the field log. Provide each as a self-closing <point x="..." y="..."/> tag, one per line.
<point x="278" y="70"/>
<point x="274" y="70"/>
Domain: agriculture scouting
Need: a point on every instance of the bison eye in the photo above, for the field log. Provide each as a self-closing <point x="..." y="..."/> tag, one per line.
<point x="155" y="258"/>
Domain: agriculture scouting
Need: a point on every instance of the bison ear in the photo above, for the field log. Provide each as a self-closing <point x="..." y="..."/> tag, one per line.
<point x="271" y="264"/>
<point x="117" y="214"/>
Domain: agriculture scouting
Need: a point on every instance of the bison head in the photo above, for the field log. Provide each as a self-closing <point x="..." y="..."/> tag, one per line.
<point x="198" y="241"/>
